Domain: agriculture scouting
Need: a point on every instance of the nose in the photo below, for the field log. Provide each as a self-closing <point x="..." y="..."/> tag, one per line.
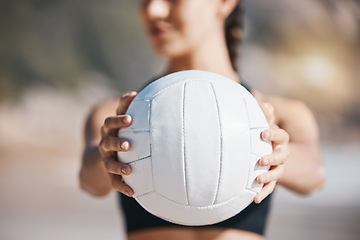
<point x="157" y="9"/>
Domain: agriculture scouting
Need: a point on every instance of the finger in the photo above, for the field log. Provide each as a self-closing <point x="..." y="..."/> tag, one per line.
<point x="115" y="167"/>
<point x="278" y="157"/>
<point x="109" y="144"/>
<point x="273" y="175"/>
<point x="118" y="184"/>
<point x="258" y="95"/>
<point x="265" y="191"/>
<point x="268" y="110"/>
<point x="113" y="123"/>
<point x="277" y="135"/>
<point x="125" y="101"/>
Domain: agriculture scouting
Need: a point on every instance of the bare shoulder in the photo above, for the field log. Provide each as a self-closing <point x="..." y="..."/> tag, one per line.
<point x="96" y="117"/>
<point x="295" y="117"/>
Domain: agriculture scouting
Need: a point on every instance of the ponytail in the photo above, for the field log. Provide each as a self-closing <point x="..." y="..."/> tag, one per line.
<point x="234" y="33"/>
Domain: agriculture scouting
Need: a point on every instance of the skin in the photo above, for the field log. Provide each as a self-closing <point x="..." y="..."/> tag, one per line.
<point x="190" y="34"/>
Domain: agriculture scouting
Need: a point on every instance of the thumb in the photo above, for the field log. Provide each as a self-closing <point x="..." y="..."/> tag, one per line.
<point x="268" y="110"/>
<point x="125" y="101"/>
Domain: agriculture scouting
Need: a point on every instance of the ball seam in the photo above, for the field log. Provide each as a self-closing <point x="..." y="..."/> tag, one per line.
<point x="220" y="143"/>
<point x="183" y="143"/>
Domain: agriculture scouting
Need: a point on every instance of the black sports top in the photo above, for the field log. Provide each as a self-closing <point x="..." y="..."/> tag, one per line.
<point x="253" y="218"/>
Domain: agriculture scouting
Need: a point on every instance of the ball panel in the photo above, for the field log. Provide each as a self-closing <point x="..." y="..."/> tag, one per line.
<point x="254" y="171"/>
<point x="167" y="81"/>
<point x="144" y="184"/>
<point x="202" y="143"/>
<point x="139" y="145"/>
<point x="166" y="137"/>
<point x="235" y="143"/>
<point x="258" y="146"/>
<point x="160" y="85"/>
<point x="257" y="118"/>
<point x="194" y="216"/>
<point x="139" y="111"/>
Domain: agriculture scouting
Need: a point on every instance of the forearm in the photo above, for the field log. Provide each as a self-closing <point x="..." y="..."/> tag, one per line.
<point x="94" y="179"/>
<point x="303" y="171"/>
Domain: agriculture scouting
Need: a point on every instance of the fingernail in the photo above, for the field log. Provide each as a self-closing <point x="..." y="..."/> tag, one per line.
<point x="262" y="179"/>
<point x="124" y="145"/>
<point x="127" y="119"/>
<point x="123" y="170"/>
<point x="266" y="135"/>
<point x="132" y="93"/>
<point x="265" y="162"/>
<point x="128" y="193"/>
<point x="267" y="105"/>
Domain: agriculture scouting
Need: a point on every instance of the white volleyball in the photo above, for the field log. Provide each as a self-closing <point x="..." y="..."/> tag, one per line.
<point x="195" y="142"/>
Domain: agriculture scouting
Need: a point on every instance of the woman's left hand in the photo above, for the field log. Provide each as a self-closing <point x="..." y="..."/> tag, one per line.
<point x="280" y="143"/>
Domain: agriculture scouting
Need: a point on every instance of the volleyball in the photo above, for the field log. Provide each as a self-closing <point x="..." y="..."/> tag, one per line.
<point x="194" y="146"/>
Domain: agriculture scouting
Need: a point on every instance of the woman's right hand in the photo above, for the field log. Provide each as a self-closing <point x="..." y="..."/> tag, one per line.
<point x="110" y="144"/>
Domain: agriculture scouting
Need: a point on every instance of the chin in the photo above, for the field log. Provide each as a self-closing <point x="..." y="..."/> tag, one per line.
<point x="169" y="50"/>
<point x="170" y="54"/>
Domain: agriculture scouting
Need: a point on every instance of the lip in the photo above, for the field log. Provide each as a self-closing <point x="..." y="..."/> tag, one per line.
<point x="159" y="31"/>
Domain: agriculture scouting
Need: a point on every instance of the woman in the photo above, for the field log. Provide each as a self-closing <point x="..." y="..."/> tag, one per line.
<point x="203" y="35"/>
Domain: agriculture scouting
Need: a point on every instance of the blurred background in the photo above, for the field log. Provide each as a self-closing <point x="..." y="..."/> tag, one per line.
<point x="59" y="58"/>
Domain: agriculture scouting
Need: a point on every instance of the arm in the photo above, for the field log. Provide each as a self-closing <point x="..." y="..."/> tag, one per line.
<point x="100" y="171"/>
<point x="303" y="171"/>
<point x="94" y="178"/>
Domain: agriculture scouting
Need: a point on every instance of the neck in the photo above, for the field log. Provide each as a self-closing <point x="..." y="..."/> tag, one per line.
<point x="211" y="55"/>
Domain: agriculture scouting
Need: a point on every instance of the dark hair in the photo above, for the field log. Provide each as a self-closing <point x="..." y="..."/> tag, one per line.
<point x="234" y="32"/>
